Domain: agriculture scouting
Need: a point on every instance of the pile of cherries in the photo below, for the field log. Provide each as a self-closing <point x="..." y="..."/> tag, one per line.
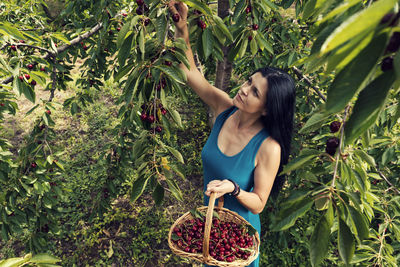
<point x="148" y="115"/>
<point x="228" y="241"/>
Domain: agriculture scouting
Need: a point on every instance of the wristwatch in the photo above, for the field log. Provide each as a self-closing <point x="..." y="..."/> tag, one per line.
<point x="235" y="191"/>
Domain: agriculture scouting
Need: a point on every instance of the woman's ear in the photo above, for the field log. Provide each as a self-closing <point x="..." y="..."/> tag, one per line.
<point x="264" y="112"/>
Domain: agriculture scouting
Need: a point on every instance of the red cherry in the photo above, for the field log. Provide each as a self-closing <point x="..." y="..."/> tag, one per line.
<point x="33" y="82"/>
<point x="2" y="104"/>
<point x="250" y="37"/>
<point x="118" y="29"/>
<point x="13" y="47"/>
<point x="387" y="64"/>
<point x="255" y="27"/>
<point x="124" y="14"/>
<point x="48" y="111"/>
<point x="334" y="126"/>
<point x="85" y="47"/>
<point x="151" y="119"/>
<point x="27" y="76"/>
<point x="248" y="9"/>
<point x="33" y="165"/>
<point x="139" y="10"/>
<point x="22" y="41"/>
<point x="168" y="63"/>
<point x="201" y="24"/>
<point x="30" y="66"/>
<point x="146" y="22"/>
<point x="42" y="69"/>
<point x="175" y="17"/>
<point x="158" y="129"/>
<point x="21" y="78"/>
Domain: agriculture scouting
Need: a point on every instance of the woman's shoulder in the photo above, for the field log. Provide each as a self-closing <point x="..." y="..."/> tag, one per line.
<point x="269" y="148"/>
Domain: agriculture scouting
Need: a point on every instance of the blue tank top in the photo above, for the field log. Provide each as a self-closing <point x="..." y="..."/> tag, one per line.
<point x="239" y="168"/>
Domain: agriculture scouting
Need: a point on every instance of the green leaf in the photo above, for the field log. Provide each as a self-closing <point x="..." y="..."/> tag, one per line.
<point x="8" y="28"/>
<point x="299" y="161"/>
<point x="60" y="36"/>
<point x="288" y="215"/>
<point x="314" y="122"/>
<point x="161" y="27"/>
<point x="138" y="187"/>
<point x="319" y="241"/>
<point x="125" y="49"/>
<point x="13" y="262"/>
<point x="203" y="8"/>
<point x="365" y="20"/>
<point x="28" y="91"/>
<point x="221" y="25"/>
<point x="368" y="106"/>
<point x="346" y="242"/>
<point x="141" y="42"/>
<point x="207" y="39"/>
<point x="122" y="33"/>
<point x="243" y="47"/>
<point x="345" y="54"/>
<point x="176" y="117"/>
<point x="171" y="73"/>
<point x="31" y="110"/>
<point x="158" y="194"/>
<point x="338" y="10"/>
<point x="44" y="258"/>
<point x="351" y="78"/>
<point x="176" y="192"/>
<point x="309" y="9"/>
<point x="360" y="222"/>
<point x="367" y="158"/>
<point x="176" y="154"/>
<point x="388" y="155"/>
<point x="253" y="47"/>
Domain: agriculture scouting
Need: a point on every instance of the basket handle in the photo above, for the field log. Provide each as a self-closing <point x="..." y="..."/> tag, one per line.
<point x="207" y="227"/>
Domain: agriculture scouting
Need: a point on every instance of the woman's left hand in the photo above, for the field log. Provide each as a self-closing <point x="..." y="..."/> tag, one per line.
<point x="221" y="187"/>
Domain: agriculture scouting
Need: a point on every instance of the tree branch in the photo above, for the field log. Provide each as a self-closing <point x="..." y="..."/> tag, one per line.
<point x="64" y="47"/>
<point x="300" y="75"/>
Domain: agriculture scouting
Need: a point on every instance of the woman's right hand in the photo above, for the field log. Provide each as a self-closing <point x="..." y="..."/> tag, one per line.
<point x="177" y="7"/>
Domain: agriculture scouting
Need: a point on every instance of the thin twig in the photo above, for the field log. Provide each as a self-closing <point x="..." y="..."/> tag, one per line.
<point x="27" y="45"/>
<point x="387" y="181"/>
<point x="302" y="76"/>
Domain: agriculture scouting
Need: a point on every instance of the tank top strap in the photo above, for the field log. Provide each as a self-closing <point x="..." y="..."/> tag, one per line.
<point x="255" y="143"/>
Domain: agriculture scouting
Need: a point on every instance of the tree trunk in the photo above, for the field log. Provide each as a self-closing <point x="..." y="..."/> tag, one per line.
<point x="224" y="68"/>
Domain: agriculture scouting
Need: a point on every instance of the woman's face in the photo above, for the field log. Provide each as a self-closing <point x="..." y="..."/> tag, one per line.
<point x="252" y="95"/>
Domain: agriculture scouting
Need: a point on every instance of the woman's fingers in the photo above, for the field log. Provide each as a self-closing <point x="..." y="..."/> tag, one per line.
<point x="172" y="7"/>
<point x="176" y="7"/>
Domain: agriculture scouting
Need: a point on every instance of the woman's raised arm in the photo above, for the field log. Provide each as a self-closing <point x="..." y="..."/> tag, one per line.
<point x="218" y="100"/>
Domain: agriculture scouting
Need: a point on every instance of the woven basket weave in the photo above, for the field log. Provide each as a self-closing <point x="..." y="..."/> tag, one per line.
<point x="225" y="215"/>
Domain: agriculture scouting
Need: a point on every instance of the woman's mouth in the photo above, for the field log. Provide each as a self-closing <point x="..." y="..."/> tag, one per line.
<point x="240" y="98"/>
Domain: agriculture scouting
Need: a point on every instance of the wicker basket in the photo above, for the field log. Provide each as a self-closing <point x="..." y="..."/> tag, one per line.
<point x="224" y="215"/>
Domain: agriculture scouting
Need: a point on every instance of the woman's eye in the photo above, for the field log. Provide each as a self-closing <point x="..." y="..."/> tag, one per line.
<point x="255" y="92"/>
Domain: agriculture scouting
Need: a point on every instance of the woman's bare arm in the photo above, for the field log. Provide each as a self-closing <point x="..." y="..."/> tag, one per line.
<point x="217" y="99"/>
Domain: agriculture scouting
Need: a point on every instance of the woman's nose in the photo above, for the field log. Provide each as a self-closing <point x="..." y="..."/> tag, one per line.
<point x="245" y="90"/>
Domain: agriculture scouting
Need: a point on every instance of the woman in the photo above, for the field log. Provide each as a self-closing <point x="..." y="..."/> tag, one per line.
<point x="250" y="139"/>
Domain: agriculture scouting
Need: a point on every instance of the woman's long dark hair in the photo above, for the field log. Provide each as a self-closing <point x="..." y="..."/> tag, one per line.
<point x="280" y="106"/>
